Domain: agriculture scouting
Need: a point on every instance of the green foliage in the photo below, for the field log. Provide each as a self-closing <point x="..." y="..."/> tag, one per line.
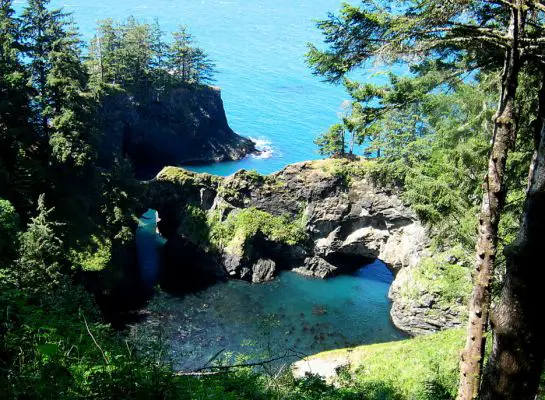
<point x="119" y="200"/>
<point x="247" y="222"/>
<point x="9" y="227"/>
<point x="94" y="256"/>
<point x="331" y="143"/>
<point x="58" y="351"/>
<point x="40" y="252"/>
<point x="196" y="224"/>
<point x="450" y="282"/>
<point x="136" y="57"/>
<point x="189" y="64"/>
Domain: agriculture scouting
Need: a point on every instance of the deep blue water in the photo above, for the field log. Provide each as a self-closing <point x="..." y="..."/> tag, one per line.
<point x="258" y="46"/>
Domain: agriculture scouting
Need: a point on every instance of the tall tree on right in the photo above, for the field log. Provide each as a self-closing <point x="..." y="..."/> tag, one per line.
<point x="467" y="35"/>
<point x="518" y="351"/>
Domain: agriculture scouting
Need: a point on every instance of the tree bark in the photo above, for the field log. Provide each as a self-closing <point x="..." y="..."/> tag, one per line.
<point x="518" y="353"/>
<point x="491" y="208"/>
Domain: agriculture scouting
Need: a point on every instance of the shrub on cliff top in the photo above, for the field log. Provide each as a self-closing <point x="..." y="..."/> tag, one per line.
<point x="250" y="221"/>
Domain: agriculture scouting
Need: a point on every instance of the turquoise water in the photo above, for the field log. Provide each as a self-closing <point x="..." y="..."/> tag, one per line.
<point x="258" y="46"/>
<point x="148" y="244"/>
<point x="292" y="313"/>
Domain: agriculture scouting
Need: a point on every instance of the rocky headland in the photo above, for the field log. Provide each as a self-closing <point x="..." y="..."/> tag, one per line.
<point x="317" y="218"/>
<point x="181" y="125"/>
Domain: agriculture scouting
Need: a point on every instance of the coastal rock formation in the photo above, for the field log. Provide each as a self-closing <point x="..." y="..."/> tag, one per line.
<point x="317" y="218"/>
<point x="424" y="313"/>
<point x="182" y="125"/>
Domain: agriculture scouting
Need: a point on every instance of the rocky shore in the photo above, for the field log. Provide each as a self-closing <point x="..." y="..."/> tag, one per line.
<point x="318" y="218"/>
<point x="183" y="125"/>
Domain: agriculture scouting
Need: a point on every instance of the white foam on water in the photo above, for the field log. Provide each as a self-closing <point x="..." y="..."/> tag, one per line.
<point x="264" y="146"/>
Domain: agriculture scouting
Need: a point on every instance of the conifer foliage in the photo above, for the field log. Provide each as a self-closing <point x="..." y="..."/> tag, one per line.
<point x="456" y="37"/>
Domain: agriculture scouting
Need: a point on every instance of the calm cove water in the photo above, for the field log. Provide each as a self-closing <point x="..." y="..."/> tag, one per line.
<point x="292" y="312"/>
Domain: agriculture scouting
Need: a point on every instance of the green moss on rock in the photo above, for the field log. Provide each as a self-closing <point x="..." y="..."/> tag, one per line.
<point x="241" y="225"/>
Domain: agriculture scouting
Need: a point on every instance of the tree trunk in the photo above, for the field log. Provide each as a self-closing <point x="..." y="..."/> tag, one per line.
<point x="491" y="208"/>
<point x="518" y="352"/>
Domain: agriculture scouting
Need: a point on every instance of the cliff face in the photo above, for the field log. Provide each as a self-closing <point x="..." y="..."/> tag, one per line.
<point x="180" y="126"/>
<point x="318" y="218"/>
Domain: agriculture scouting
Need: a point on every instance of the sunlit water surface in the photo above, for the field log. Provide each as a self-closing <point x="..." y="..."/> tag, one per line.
<point x="292" y="313"/>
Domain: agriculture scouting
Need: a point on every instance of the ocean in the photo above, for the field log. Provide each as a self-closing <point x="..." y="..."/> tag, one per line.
<point x="259" y="46"/>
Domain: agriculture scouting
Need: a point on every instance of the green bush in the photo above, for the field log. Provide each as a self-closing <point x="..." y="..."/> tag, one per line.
<point x="247" y="222"/>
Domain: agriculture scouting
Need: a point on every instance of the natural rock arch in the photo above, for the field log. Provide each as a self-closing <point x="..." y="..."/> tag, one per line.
<point x="348" y="220"/>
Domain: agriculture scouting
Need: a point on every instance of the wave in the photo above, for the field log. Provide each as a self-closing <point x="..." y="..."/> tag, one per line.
<point x="264" y="146"/>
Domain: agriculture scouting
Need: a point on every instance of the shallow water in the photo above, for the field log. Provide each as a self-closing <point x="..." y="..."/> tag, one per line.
<point x="292" y="312"/>
<point x="306" y="315"/>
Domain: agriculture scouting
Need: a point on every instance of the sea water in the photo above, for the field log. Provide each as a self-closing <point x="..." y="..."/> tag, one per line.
<point x="293" y="314"/>
<point x="259" y="47"/>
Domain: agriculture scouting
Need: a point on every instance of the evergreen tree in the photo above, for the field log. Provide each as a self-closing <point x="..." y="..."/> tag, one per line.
<point x="181" y="54"/>
<point x="159" y="62"/>
<point x="331" y="143"/>
<point x="9" y="227"/>
<point x="479" y="33"/>
<point x="40" y="32"/>
<point x="59" y="79"/>
<point x="104" y="52"/>
<point x="40" y="252"/>
<point x="189" y="64"/>
<point x="16" y="134"/>
<point x="203" y="69"/>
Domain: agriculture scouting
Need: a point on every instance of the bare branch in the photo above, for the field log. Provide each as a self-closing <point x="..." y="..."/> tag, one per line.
<point x="94" y="340"/>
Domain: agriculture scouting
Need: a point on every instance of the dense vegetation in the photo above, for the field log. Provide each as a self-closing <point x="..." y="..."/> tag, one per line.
<point x="434" y="127"/>
<point x="66" y="225"/>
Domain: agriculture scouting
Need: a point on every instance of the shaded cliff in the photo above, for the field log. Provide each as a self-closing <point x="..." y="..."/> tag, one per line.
<point x="318" y="218"/>
<point x="179" y="126"/>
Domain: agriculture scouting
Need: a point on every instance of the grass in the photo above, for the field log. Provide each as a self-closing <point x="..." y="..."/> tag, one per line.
<point x="184" y="177"/>
<point x="424" y="367"/>
<point x="239" y="226"/>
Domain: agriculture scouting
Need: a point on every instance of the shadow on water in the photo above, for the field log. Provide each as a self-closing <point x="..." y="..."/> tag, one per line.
<point x="290" y="313"/>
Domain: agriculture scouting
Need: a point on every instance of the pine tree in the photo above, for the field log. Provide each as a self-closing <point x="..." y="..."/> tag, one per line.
<point x="40" y="32"/>
<point x="60" y="81"/>
<point x="40" y="252"/>
<point x="508" y="33"/>
<point x="16" y="135"/>
<point x="181" y="55"/>
<point x="104" y="52"/>
<point x="203" y="69"/>
<point x="9" y="226"/>
<point x="332" y="142"/>
<point x="189" y="64"/>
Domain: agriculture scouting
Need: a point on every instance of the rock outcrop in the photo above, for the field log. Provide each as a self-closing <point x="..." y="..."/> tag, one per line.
<point x="184" y="125"/>
<point x="318" y="218"/>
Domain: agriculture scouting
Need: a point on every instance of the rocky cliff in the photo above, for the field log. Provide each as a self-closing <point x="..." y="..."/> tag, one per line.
<point x="318" y="218"/>
<point x="182" y="125"/>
